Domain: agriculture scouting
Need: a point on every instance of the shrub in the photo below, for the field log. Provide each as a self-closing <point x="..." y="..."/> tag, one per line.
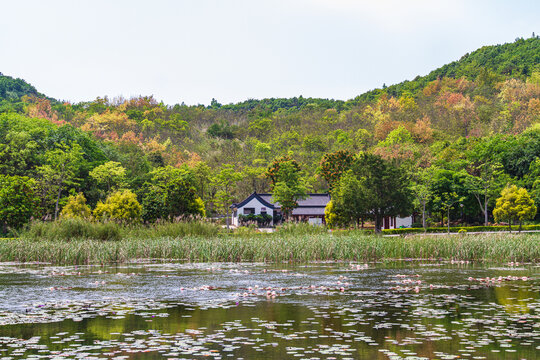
<point x="76" y="208"/>
<point x="120" y="206"/>
<point x="262" y="220"/>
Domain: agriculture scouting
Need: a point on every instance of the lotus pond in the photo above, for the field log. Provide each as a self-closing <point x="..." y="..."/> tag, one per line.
<point x="324" y="310"/>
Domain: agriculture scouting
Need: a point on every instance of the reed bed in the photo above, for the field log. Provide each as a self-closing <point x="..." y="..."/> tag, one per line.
<point x="276" y="248"/>
<point x="68" y="229"/>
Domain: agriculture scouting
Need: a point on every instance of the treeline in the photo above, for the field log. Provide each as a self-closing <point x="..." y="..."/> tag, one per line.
<point x="486" y="106"/>
<point x="50" y="171"/>
<point x="367" y="187"/>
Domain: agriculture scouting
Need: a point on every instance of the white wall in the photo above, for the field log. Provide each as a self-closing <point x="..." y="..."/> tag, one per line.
<point x="405" y="222"/>
<point x="397" y="222"/>
<point x="258" y="206"/>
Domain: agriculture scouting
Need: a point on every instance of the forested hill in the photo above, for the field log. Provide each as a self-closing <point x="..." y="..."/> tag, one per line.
<point x="489" y="98"/>
<point x="13" y="89"/>
<point x="517" y="60"/>
<point x="487" y="64"/>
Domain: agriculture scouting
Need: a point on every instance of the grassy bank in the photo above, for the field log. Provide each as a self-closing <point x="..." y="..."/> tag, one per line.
<point x="276" y="247"/>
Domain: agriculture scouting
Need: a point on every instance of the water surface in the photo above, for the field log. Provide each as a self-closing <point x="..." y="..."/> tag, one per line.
<point x="149" y="310"/>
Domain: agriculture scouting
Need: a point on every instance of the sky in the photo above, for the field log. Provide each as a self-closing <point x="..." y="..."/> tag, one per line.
<point x="234" y="50"/>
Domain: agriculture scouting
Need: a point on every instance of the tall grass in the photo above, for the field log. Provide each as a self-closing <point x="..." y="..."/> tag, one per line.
<point x="300" y="228"/>
<point x="68" y="229"/>
<point x="71" y="229"/>
<point x="173" y="230"/>
<point x="352" y="246"/>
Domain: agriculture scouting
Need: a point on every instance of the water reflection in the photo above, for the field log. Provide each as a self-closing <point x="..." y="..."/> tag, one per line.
<point x="319" y="310"/>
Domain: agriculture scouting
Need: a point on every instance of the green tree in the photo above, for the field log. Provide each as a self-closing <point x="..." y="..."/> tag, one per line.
<point x="387" y="190"/>
<point x="446" y="202"/>
<point x="331" y="216"/>
<point x="260" y="127"/>
<point x="170" y="193"/>
<point x="76" y="208"/>
<point x="349" y="200"/>
<point x="60" y="170"/>
<point x="253" y="179"/>
<point x="485" y="182"/>
<point x="519" y="152"/>
<point x="447" y="185"/>
<point x="400" y="135"/>
<point x="273" y="169"/>
<point x="222" y="130"/>
<point x="120" y="206"/>
<point x="18" y="153"/>
<point x="289" y="188"/>
<point x="532" y="180"/>
<point x="111" y="175"/>
<point x="18" y="201"/>
<point x="421" y="184"/>
<point x="333" y="165"/>
<point x="225" y="181"/>
<point x="514" y="204"/>
<point x="202" y="176"/>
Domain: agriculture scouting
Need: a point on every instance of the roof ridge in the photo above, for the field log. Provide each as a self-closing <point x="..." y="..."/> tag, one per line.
<point x="319" y="194"/>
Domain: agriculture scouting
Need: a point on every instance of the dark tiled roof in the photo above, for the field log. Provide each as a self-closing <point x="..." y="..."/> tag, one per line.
<point x="251" y="197"/>
<point x="268" y="198"/>
<point x="313" y="210"/>
<point x="313" y="200"/>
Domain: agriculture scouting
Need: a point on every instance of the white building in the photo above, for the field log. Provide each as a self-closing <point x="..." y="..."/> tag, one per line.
<point x="310" y="209"/>
<point x="393" y="222"/>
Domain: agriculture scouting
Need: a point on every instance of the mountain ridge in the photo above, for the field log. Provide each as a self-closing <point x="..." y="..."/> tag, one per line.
<point x="500" y="59"/>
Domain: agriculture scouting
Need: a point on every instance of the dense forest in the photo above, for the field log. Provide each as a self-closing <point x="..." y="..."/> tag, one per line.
<point x="459" y="135"/>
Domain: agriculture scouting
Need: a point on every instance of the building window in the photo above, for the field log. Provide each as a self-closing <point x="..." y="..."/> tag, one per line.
<point x="248" y="211"/>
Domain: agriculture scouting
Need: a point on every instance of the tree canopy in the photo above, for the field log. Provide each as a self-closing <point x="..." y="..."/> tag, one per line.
<point x="515" y="204"/>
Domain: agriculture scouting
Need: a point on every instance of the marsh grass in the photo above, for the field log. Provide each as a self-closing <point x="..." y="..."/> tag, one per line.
<point x="172" y="229"/>
<point x="68" y="229"/>
<point x="73" y="229"/>
<point x="276" y="247"/>
<point x="300" y="228"/>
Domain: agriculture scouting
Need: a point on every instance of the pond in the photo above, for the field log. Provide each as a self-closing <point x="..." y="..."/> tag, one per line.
<point x="153" y="310"/>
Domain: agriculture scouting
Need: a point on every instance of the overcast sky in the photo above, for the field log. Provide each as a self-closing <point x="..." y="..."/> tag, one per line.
<point x="193" y="51"/>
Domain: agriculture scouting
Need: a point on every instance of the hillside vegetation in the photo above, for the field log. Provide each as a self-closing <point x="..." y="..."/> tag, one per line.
<point x="485" y="107"/>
